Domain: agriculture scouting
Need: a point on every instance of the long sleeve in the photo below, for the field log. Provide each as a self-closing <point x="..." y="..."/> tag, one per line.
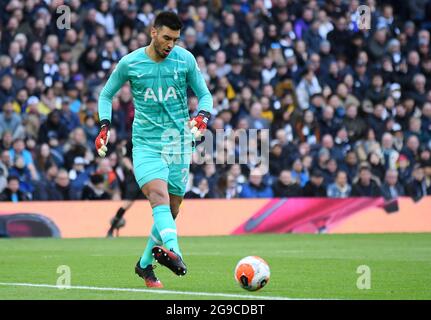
<point x="198" y="85"/>
<point x="116" y="80"/>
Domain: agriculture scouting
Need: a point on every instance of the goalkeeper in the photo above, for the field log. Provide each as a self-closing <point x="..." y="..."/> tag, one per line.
<point x="162" y="133"/>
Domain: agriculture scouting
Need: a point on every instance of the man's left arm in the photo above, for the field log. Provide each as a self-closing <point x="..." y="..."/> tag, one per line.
<point x="205" y="101"/>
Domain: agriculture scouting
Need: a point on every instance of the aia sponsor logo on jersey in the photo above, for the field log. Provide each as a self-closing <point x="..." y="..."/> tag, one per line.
<point x="159" y="95"/>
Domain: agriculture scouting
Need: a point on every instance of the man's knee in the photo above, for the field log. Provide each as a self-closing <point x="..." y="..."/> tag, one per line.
<point x="156" y="196"/>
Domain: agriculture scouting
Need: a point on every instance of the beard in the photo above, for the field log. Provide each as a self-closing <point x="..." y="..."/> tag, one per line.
<point x="159" y="51"/>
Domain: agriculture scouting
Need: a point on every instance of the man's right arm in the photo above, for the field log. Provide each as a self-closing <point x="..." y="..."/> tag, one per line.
<point x="116" y="80"/>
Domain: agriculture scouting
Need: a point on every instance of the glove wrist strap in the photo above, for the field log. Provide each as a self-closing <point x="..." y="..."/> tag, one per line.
<point x="105" y="123"/>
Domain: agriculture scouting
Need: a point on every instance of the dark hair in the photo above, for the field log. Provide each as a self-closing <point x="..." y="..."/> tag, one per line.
<point x="168" y="19"/>
<point x="96" y="178"/>
<point x="11" y="178"/>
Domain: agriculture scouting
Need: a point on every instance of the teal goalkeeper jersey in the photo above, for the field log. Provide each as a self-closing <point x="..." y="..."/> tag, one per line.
<point x="159" y="92"/>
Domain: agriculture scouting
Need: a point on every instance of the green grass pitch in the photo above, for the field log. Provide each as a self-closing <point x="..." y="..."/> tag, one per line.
<point x="302" y="266"/>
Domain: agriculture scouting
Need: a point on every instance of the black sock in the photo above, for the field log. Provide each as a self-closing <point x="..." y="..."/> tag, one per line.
<point x="120" y="213"/>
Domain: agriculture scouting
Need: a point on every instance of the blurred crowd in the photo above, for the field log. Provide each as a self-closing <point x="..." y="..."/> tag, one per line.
<point x="348" y="108"/>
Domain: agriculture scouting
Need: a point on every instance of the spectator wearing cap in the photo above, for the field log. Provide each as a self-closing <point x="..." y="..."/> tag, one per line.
<point x="392" y="188"/>
<point x="256" y="188"/>
<point x="78" y="176"/>
<point x="236" y="77"/>
<point x="341" y="187"/>
<point x="315" y="187"/>
<point x="417" y="188"/>
<point x="361" y="79"/>
<point x="365" y="185"/>
<point x="36" y="107"/>
<point x="404" y="169"/>
<point x="285" y="186"/>
<point x="12" y="192"/>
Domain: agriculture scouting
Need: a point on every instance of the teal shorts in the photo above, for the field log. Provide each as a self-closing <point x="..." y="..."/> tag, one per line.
<point x="174" y="169"/>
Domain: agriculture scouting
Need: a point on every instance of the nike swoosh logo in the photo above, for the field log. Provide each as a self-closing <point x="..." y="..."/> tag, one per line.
<point x="142" y="74"/>
<point x="253" y="223"/>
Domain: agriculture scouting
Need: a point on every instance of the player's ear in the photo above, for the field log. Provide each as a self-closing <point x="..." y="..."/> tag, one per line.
<point x="153" y="32"/>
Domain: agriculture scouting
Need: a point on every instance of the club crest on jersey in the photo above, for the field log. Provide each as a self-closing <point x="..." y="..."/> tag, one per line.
<point x="161" y="96"/>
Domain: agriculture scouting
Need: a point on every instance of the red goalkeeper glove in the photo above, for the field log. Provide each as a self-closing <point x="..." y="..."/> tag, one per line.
<point x="199" y="123"/>
<point x="103" y="138"/>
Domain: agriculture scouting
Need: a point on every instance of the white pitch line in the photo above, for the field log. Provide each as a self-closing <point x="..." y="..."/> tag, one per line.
<point x="154" y="291"/>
